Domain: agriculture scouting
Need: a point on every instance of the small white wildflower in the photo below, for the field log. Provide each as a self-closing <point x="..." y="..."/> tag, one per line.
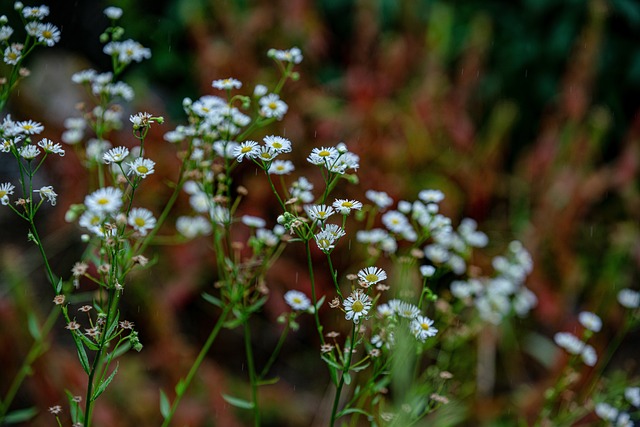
<point x="344" y="206"/>
<point x="427" y="270"/>
<point x="39" y="12"/>
<point x="372" y="275"/>
<point x="6" y="189"/>
<point x="277" y="143"/>
<point x="319" y="212"/>
<point x="422" y="328"/>
<point x="632" y="394"/>
<point x="297" y="300"/>
<point x="323" y="156"/>
<point x="105" y="200"/>
<point x="246" y="149"/>
<point x="13" y="54"/>
<point x="48" y="193"/>
<point x="227" y="84"/>
<point x="29" y="152"/>
<point x="590" y="321"/>
<point x="141" y="220"/>
<point x="190" y="227"/>
<point x="113" y="12"/>
<point x="357" y="305"/>
<point x="49" y="147"/>
<point x="253" y="221"/>
<point x="629" y="298"/>
<point x="569" y="342"/>
<point x="293" y="55"/>
<point x="48" y="34"/>
<point x="379" y="198"/>
<point x="141" y="167"/>
<point x="589" y="356"/>
<point x="606" y="412"/>
<point x="260" y="90"/>
<point x="115" y="155"/>
<point x="272" y="106"/>
<point x="281" y="167"/>
<point x="431" y="196"/>
<point x="407" y="310"/>
<point x="29" y="127"/>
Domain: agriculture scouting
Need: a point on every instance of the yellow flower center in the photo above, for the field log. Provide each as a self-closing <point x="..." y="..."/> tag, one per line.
<point x="246" y="149"/>
<point x="103" y="201"/>
<point x="324" y="153"/>
<point x="425" y="326"/>
<point x="2" y="193"/>
<point x="277" y="145"/>
<point x="47" y="34"/>
<point x="140" y="222"/>
<point x="142" y="169"/>
<point x="371" y="277"/>
<point x="265" y="155"/>
<point x="357" y="306"/>
<point x="273" y="105"/>
<point x="347" y="204"/>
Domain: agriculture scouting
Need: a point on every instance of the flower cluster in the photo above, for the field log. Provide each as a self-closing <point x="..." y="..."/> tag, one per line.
<point x="497" y="297"/>
<point x="620" y="414"/>
<point x="577" y="346"/>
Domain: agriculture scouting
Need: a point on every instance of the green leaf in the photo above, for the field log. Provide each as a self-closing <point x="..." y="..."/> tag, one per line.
<point x="82" y="354"/>
<point x="347" y="378"/>
<point x="59" y="286"/>
<point x="237" y="402"/>
<point x="269" y="381"/>
<point x="320" y="302"/>
<point x="104" y="384"/>
<point x="331" y="362"/>
<point x="91" y="345"/>
<point x="213" y="300"/>
<point x="256" y="305"/>
<point x="34" y="328"/>
<point x="20" y="415"/>
<point x="353" y="411"/>
<point x="165" y="406"/>
<point x="113" y="326"/>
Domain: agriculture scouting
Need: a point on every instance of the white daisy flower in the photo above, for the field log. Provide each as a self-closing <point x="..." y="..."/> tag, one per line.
<point x="5" y="33"/>
<point x="260" y="90"/>
<point x="606" y="411"/>
<point x="265" y="154"/>
<point x="422" y="328"/>
<point x="281" y="167"/>
<point x="191" y="227"/>
<point x="246" y="149"/>
<point x="325" y="241"/>
<point x="96" y="148"/>
<point x="319" y="212"/>
<point x="29" y="127"/>
<point x="6" y="189"/>
<point x="107" y="200"/>
<point x="49" y="147"/>
<point x="379" y="198"/>
<point x="293" y="55"/>
<point x="569" y="342"/>
<point x="591" y="321"/>
<point x="323" y="156"/>
<point x="84" y="76"/>
<point x="141" y="167"/>
<point x="127" y="51"/>
<point x="227" y="84"/>
<point x="115" y="155"/>
<point x="113" y="12"/>
<point x="13" y="54"/>
<point x="372" y="275"/>
<point x="48" y="193"/>
<point x="141" y="220"/>
<point x="384" y="310"/>
<point x="91" y="220"/>
<point x="272" y="106"/>
<point x="253" y="221"/>
<point x="427" y="270"/>
<point x="589" y="355"/>
<point x="344" y="206"/>
<point x="39" y="12"/>
<point x="632" y="394"/>
<point x="335" y="230"/>
<point x="278" y="144"/>
<point x="431" y="196"/>
<point x="407" y="310"/>
<point x="297" y="300"/>
<point x="29" y="152"/>
<point x="357" y="305"/>
<point x="48" y="34"/>
<point x="629" y="298"/>
<point x="396" y="222"/>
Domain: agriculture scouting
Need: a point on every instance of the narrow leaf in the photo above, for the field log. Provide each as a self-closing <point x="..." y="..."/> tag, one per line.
<point x="20" y="415"/>
<point x="331" y="362"/>
<point x="104" y="384"/>
<point x="165" y="406"/>
<point x="59" y="286"/>
<point x="269" y="381"/>
<point x="237" y="402"/>
<point x="213" y="300"/>
<point x="347" y="378"/>
<point x="82" y="354"/>
<point x="34" y="328"/>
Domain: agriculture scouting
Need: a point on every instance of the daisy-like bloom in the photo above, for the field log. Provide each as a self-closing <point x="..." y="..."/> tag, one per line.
<point x="48" y="34"/>
<point x="39" y="12"/>
<point x="344" y="206"/>
<point x="372" y="275"/>
<point x="335" y="230"/>
<point x="325" y="241"/>
<point x="113" y="12"/>
<point x="422" y="328"/>
<point x="120" y="89"/>
<point x="427" y="270"/>
<point x="29" y="152"/>
<point x="297" y="300"/>
<point x="277" y="143"/>
<point x="5" y="33"/>
<point x="267" y="237"/>
<point x="105" y="200"/>
<point x="379" y="198"/>
<point x="431" y="196"/>
<point x="629" y="298"/>
<point x="96" y="148"/>
<point x="227" y="84"/>
<point x="141" y="220"/>
<point x="48" y="193"/>
<point x="569" y="342"/>
<point x="141" y="167"/>
<point x="191" y="227"/>
<point x="140" y="120"/>
<point x="293" y="55"/>
<point x="13" y="54"/>
<point x="115" y="155"/>
<point x="127" y="51"/>
<point x="272" y="106"/>
<point x="91" y="221"/>
<point x="384" y="310"/>
<point x="606" y="411"/>
<point x="84" y="76"/>
<point x="246" y="149"/>
<point x="319" y="212"/>
<point x="632" y="394"/>
<point x="32" y="28"/>
<point x="281" y="167"/>
<point x="407" y="310"/>
<point x="395" y="222"/>
<point x="589" y="356"/>
<point x="323" y="156"/>
<point x="590" y="321"/>
<point x="260" y="90"/>
<point x="30" y="127"/>
<point x="253" y="221"/>
<point x="357" y="305"/>
<point x="6" y="189"/>
<point x="49" y="147"/>
<point x="265" y="154"/>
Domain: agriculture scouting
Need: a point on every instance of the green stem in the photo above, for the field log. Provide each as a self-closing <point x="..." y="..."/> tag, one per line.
<point x="313" y="292"/>
<point x="252" y="373"/>
<point x="345" y="370"/>
<point x="334" y="276"/>
<point x="275" y="352"/>
<point x="184" y="384"/>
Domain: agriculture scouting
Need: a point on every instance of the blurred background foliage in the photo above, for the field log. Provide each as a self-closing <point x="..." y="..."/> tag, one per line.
<point x="525" y="113"/>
